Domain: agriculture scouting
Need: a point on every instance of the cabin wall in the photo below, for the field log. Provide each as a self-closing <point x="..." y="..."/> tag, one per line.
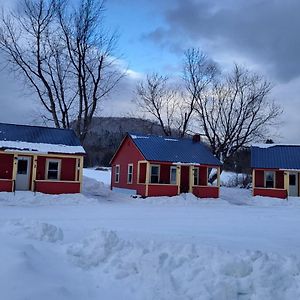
<point x="128" y="153"/>
<point x="57" y="187"/>
<point x="259" y="185"/>
<point x="206" y="191"/>
<point x="6" y="166"/>
<point x="68" y="166"/>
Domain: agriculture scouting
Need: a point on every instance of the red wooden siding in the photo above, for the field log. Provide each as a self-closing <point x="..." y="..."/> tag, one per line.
<point x="6" y="185"/>
<point x="259" y="178"/>
<point x="6" y="166"/>
<point x="57" y="187"/>
<point x="206" y="191"/>
<point x="203" y="176"/>
<point x="184" y="179"/>
<point x="164" y="174"/>
<point x="127" y="154"/>
<point x="279" y="179"/>
<point x="68" y="166"/>
<point x="143" y="168"/>
<point x="41" y="168"/>
<point x="162" y="190"/>
<point x="277" y="193"/>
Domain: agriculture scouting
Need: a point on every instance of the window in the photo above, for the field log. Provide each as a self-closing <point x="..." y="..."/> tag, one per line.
<point x="292" y="179"/>
<point x="196" y="176"/>
<point x="269" y="179"/>
<point x="22" y="166"/>
<point x="117" y="173"/>
<point x="53" y="169"/>
<point x="173" y="175"/>
<point x="154" y="174"/>
<point x="129" y="173"/>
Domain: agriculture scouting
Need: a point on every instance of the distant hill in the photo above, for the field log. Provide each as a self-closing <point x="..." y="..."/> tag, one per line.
<point x="106" y="133"/>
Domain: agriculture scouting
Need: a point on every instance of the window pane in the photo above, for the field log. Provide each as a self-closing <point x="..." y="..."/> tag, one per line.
<point x="117" y="174"/>
<point x="154" y="174"/>
<point x="53" y="166"/>
<point x="196" y="176"/>
<point x="154" y="170"/>
<point x="22" y="166"/>
<point x="269" y="179"/>
<point x="129" y="174"/>
<point x="292" y="179"/>
<point x="173" y="175"/>
<point x="52" y="174"/>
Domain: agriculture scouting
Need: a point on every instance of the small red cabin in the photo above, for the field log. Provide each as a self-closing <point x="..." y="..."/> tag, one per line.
<point x="162" y="166"/>
<point x="275" y="170"/>
<point x="40" y="159"/>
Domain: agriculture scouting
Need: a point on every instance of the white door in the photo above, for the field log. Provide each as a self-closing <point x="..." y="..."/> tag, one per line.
<point x="23" y="173"/>
<point x="293" y="184"/>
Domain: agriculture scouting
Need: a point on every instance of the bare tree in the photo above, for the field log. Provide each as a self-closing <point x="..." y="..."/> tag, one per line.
<point x="156" y="98"/>
<point x="174" y="106"/>
<point x="233" y="110"/>
<point x="65" y="55"/>
<point x="90" y="47"/>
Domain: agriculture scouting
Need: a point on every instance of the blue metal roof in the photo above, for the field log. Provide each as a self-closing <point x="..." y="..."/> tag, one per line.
<point x="168" y="149"/>
<point x="38" y="134"/>
<point x="275" y="157"/>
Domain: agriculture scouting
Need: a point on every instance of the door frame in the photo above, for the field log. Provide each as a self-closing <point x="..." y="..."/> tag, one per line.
<point x="297" y="183"/>
<point x="29" y="158"/>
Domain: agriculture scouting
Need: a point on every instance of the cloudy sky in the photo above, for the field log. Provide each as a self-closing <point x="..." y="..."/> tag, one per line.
<point x="260" y="34"/>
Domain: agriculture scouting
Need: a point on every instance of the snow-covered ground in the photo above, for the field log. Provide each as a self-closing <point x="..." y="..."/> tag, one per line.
<point x="103" y="245"/>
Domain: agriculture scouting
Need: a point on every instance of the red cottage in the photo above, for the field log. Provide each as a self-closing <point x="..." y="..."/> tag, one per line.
<point x="40" y="159"/>
<point x="275" y="170"/>
<point x="162" y="166"/>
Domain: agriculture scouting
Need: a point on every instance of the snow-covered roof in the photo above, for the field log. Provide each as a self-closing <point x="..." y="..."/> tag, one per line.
<point x="39" y="139"/>
<point x="263" y="146"/>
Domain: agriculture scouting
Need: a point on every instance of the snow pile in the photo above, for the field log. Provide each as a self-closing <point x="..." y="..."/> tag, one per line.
<point x="231" y="179"/>
<point x="21" y="198"/>
<point x="34" y="230"/>
<point x="95" y="188"/>
<point x="40" y="147"/>
<point x="95" y="249"/>
<point x="99" y="175"/>
<point x="155" y="270"/>
<point x="182" y="200"/>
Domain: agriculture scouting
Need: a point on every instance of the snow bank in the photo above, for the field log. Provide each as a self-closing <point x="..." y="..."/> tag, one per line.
<point x="21" y="198"/>
<point x="33" y="230"/>
<point x="182" y="200"/>
<point x="231" y="179"/>
<point x="153" y="270"/>
<point x="98" y="175"/>
<point x="95" y="188"/>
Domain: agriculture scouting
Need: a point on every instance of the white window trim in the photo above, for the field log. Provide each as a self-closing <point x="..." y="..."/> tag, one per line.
<point x="48" y="160"/>
<point x="119" y="171"/>
<point x="150" y="170"/>
<point x="129" y="182"/>
<point x="172" y="168"/>
<point x="265" y="179"/>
